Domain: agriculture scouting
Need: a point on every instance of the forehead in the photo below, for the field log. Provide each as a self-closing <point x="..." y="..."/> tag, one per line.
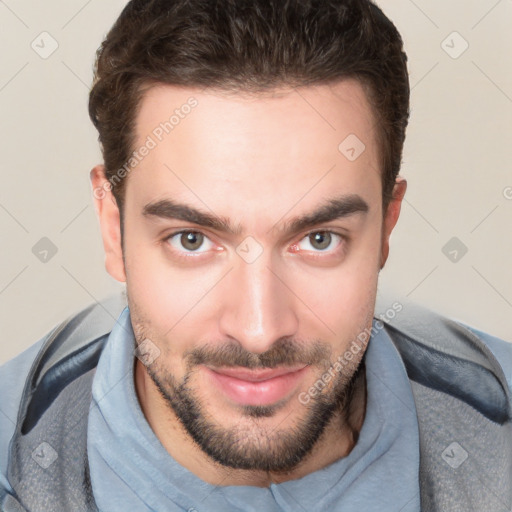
<point x="210" y="146"/>
<point x="308" y="113"/>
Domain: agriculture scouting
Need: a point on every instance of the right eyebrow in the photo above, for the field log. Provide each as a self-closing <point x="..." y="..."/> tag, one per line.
<point x="168" y="209"/>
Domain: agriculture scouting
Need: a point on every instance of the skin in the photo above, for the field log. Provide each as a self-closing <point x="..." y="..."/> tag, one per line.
<point x="257" y="161"/>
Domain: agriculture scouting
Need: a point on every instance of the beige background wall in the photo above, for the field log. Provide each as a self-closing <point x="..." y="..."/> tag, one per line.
<point x="457" y="162"/>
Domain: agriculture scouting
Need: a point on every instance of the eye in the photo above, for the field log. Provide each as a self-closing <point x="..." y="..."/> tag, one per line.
<point x="320" y="241"/>
<point x="191" y="241"/>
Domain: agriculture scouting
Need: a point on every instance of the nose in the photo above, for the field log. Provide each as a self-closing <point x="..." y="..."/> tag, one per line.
<point x="258" y="307"/>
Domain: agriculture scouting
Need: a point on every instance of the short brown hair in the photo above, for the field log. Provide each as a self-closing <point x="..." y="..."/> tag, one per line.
<point x="251" y="46"/>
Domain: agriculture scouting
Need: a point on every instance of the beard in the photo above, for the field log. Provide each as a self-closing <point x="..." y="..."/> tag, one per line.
<point x="253" y="444"/>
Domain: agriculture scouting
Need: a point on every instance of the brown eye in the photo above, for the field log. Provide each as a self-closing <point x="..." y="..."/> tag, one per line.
<point x="191" y="240"/>
<point x="320" y="240"/>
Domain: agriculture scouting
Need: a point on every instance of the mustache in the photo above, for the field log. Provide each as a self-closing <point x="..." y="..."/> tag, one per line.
<point x="284" y="352"/>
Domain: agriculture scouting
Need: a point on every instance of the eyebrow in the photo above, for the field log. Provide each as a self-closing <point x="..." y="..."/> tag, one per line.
<point x="333" y="209"/>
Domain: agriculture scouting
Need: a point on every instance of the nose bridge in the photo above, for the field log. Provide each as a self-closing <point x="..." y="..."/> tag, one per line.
<point x="259" y="309"/>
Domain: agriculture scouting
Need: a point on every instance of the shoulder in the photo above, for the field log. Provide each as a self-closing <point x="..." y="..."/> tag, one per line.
<point x="441" y="333"/>
<point x="501" y="349"/>
<point x="13" y="375"/>
<point x="66" y="341"/>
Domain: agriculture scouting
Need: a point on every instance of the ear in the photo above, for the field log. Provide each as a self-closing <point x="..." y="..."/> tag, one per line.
<point x="110" y="223"/>
<point x="391" y="216"/>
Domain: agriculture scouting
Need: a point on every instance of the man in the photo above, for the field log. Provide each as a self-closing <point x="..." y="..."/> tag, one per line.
<point x="248" y="193"/>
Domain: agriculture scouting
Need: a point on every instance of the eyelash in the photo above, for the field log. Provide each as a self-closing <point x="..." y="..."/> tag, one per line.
<point x="315" y="254"/>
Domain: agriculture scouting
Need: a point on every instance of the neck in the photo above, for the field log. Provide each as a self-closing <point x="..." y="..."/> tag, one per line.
<point x="336" y="442"/>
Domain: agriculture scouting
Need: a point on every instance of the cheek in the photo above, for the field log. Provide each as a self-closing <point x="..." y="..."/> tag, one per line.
<point x="146" y="282"/>
<point x="167" y="302"/>
<point x="347" y="288"/>
<point x="160" y="291"/>
<point x="155" y="302"/>
<point x="343" y="298"/>
<point x="344" y="307"/>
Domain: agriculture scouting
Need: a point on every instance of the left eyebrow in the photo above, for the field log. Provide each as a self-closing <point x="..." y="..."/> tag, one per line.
<point x="337" y="208"/>
<point x="333" y="209"/>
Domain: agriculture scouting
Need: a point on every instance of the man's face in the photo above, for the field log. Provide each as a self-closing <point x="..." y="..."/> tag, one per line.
<point x="249" y="318"/>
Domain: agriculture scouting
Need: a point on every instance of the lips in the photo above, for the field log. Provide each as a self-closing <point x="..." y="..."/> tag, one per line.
<point x="256" y="387"/>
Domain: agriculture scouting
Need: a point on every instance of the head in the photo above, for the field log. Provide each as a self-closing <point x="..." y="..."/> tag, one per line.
<point x="249" y="188"/>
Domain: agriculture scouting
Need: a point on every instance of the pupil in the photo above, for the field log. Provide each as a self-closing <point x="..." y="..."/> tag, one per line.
<point x="191" y="241"/>
<point x="320" y="240"/>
